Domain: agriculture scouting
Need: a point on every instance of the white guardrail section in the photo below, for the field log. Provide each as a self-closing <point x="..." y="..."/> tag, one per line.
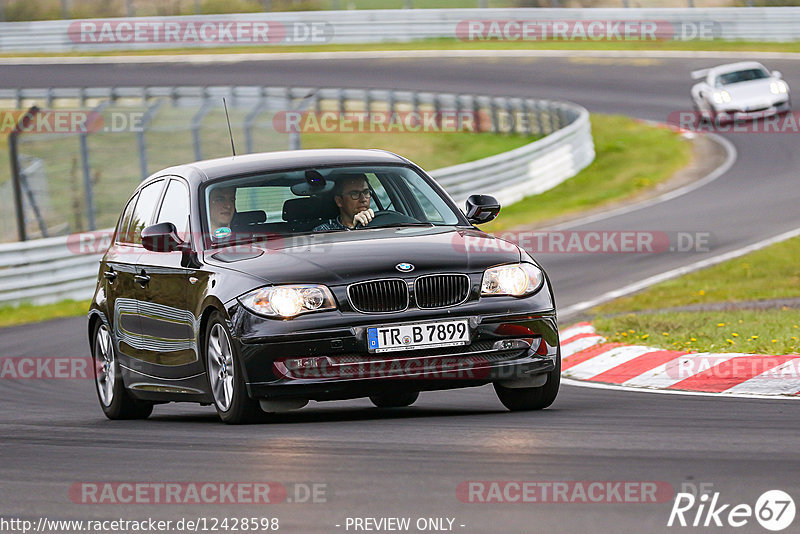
<point x="386" y="25"/>
<point x="53" y="269"/>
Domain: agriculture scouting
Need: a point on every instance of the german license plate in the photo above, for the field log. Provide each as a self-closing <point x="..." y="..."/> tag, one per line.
<point x="418" y="335"/>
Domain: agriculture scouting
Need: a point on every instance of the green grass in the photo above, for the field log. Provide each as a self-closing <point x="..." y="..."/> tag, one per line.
<point x="453" y="44"/>
<point x="771" y="273"/>
<point x="630" y="157"/>
<point x="428" y="150"/>
<point x="749" y="331"/>
<point x="30" y="313"/>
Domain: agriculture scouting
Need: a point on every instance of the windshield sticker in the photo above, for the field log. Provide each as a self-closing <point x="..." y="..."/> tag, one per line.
<point x="222" y="233"/>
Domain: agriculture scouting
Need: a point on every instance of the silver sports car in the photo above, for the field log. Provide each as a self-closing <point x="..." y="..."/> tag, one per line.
<point x="744" y="90"/>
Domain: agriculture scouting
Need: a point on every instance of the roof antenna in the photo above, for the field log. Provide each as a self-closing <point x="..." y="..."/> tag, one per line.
<point x="233" y="148"/>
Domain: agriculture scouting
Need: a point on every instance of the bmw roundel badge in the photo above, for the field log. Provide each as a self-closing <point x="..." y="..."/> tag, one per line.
<point x="404" y="267"/>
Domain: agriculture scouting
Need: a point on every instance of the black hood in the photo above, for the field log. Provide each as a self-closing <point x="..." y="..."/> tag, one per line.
<point x="344" y="257"/>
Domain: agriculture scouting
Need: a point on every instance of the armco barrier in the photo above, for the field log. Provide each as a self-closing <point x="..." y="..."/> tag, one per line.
<point x="46" y="270"/>
<point x="387" y="25"/>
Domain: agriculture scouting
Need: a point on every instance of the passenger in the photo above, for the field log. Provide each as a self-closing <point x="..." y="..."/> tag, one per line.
<point x="221" y="207"/>
<point x="352" y="195"/>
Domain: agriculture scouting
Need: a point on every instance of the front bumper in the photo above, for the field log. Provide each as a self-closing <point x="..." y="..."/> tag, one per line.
<point x="755" y="110"/>
<point x="502" y="347"/>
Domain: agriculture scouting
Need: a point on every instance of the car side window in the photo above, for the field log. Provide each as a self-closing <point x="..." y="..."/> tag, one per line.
<point x="148" y="197"/>
<point x="123" y="234"/>
<point x="175" y="207"/>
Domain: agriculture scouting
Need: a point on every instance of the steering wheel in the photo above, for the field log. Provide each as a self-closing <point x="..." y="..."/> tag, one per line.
<point x="388" y="218"/>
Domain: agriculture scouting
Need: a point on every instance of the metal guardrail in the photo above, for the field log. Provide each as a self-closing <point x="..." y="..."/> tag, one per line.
<point x="56" y="268"/>
<point x="388" y="25"/>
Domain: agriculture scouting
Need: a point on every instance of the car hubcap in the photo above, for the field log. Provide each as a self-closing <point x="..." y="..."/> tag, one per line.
<point x="105" y="374"/>
<point x="220" y="367"/>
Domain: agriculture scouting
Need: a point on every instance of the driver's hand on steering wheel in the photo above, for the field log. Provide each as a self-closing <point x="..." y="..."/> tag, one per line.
<point x="364" y="217"/>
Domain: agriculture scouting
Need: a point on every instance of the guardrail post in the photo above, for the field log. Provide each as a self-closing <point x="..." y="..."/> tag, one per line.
<point x="197" y="121"/>
<point x="476" y="112"/>
<point x="249" y="120"/>
<point x="525" y="110"/>
<point x="512" y="122"/>
<point x="16" y="174"/>
<point x="146" y="118"/>
<point x="88" y="189"/>
<point x="391" y="101"/>
<point x="494" y="115"/>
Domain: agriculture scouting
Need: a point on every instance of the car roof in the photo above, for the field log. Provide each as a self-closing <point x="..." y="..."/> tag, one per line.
<point x="210" y="169"/>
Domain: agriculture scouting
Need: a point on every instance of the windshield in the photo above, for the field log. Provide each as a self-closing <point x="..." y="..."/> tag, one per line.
<point x="741" y="76"/>
<point x="321" y="200"/>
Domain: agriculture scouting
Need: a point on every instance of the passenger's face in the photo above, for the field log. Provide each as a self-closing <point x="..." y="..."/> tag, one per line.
<point x="349" y="206"/>
<point x="222" y="204"/>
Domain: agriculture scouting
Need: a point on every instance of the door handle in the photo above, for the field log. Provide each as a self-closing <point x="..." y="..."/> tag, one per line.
<point x="110" y="275"/>
<point x="142" y="278"/>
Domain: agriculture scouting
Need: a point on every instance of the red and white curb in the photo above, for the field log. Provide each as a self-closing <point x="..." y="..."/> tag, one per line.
<point x="587" y="356"/>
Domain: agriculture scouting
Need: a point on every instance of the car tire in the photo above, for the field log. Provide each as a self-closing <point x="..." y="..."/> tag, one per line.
<point x="395" y="400"/>
<point x="225" y="377"/>
<point x="526" y="399"/>
<point x="115" y="400"/>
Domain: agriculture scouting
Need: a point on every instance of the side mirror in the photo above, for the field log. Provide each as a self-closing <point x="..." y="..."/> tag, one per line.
<point x="482" y="209"/>
<point x="777" y="74"/>
<point x="162" y="237"/>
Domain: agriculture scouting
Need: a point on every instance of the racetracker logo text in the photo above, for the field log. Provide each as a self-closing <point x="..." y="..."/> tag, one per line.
<point x="750" y="122"/>
<point x="566" y="491"/>
<point x="197" y="492"/>
<point x="205" y="31"/>
<point x="373" y="122"/>
<point x="584" y="30"/>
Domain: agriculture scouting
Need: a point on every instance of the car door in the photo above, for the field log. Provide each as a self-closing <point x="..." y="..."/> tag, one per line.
<point x="167" y="321"/>
<point x="118" y="269"/>
<point x="141" y="217"/>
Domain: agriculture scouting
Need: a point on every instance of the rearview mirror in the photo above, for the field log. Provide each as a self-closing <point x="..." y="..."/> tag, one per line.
<point x="777" y="74"/>
<point x="162" y="237"/>
<point x="482" y="208"/>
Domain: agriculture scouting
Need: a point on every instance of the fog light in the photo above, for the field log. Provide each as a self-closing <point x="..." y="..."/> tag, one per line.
<point x="511" y="344"/>
<point x="300" y="364"/>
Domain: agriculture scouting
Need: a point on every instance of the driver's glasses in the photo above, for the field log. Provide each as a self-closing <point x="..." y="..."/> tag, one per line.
<point x="355" y="195"/>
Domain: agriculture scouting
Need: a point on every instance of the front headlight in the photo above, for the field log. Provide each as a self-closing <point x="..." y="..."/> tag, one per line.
<point x="721" y="97"/>
<point x="288" y="301"/>
<point x="516" y="280"/>
<point x="778" y="88"/>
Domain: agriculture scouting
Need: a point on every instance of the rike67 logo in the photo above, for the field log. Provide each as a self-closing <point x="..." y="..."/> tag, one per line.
<point x="774" y="510"/>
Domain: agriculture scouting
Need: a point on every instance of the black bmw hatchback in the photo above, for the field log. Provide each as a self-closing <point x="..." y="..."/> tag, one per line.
<point x="257" y="283"/>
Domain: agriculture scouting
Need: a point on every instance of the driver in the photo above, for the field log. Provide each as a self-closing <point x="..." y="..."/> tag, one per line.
<point x="352" y="195"/>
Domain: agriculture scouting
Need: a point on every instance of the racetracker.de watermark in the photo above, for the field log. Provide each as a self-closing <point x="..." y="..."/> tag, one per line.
<point x="46" y="368"/>
<point x="761" y="122"/>
<point x="586" y="242"/>
<point x="732" y="366"/>
<point x="564" y="491"/>
<point x="206" y="31"/>
<point x="373" y="122"/>
<point x="586" y="30"/>
<point x="206" y="492"/>
<point x="69" y="121"/>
